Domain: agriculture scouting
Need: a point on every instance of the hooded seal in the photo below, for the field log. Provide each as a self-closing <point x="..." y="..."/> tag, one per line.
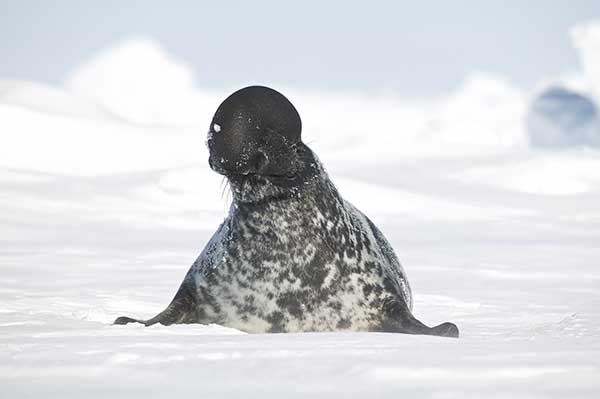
<point x="292" y="255"/>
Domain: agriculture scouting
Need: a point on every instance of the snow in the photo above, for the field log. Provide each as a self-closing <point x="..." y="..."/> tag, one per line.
<point x="104" y="205"/>
<point x="586" y="40"/>
<point x="133" y="79"/>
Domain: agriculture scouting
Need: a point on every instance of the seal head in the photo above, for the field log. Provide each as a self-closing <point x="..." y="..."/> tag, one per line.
<point x="255" y="141"/>
<point x="254" y="131"/>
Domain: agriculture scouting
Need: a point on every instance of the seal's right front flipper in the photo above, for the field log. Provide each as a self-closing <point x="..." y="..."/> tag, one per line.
<point x="181" y="310"/>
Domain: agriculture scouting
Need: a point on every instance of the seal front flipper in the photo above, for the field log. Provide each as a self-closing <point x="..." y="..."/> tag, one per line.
<point x="126" y="320"/>
<point x="181" y="310"/>
<point x="397" y="318"/>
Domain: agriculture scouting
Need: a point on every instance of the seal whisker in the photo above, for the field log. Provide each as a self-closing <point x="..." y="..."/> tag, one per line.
<point x="223" y="186"/>
<point x="228" y="194"/>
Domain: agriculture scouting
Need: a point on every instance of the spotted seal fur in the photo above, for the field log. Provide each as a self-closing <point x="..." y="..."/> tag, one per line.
<point x="292" y="255"/>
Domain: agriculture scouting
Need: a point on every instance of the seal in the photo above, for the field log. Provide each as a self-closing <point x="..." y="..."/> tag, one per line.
<point x="292" y="255"/>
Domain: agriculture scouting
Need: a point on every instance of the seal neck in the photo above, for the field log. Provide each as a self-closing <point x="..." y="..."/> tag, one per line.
<point x="317" y="195"/>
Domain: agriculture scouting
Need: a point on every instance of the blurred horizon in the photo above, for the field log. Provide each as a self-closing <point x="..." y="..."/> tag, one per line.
<point x="392" y="47"/>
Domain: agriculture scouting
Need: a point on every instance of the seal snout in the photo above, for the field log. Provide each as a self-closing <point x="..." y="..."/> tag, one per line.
<point x="258" y="164"/>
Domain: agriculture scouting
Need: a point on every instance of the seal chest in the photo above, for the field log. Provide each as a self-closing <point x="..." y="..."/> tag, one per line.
<point x="292" y="255"/>
<point x="299" y="264"/>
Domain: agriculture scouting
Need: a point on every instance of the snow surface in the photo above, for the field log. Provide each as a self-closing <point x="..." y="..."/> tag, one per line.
<point x="103" y="209"/>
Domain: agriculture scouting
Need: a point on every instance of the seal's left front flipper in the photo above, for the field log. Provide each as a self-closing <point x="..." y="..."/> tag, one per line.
<point x="446" y="330"/>
<point x="399" y="319"/>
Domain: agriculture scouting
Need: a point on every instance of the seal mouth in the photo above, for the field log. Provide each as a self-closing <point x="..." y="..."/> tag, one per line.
<point x="253" y="175"/>
<point x="258" y="170"/>
<point x="291" y="175"/>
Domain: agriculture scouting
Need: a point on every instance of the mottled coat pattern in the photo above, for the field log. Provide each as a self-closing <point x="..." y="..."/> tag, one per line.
<point x="308" y="261"/>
